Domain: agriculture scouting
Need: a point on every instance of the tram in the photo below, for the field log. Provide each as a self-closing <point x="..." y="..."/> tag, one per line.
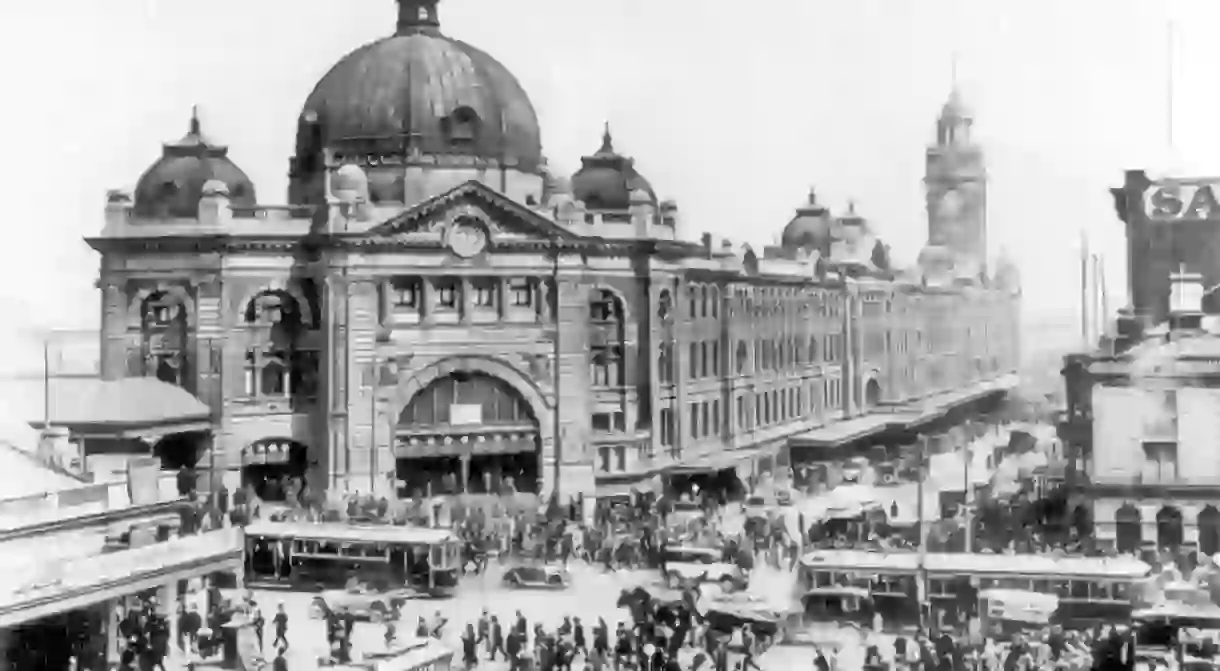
<point x="1089" y="589"/>
<point x="328" y="554"/>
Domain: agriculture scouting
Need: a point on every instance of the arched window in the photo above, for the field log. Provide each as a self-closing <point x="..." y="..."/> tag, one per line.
<point x="462" y="126"/>
<point x="279" y="361"/>
<point x="163" y="340"/>
<point x="666" y="366"/>
<point x="607" y="351"/>
<point x="743" y="357"/>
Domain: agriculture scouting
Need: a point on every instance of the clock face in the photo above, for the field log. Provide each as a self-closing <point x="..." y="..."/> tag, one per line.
<point x="467" y="239"/>
<point x="951" y="204"/>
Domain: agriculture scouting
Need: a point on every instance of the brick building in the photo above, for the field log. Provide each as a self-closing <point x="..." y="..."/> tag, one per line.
<point x="433" y="309"/>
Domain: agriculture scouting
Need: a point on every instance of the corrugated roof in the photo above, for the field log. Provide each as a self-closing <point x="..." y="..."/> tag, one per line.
<point x="130" y="401"/>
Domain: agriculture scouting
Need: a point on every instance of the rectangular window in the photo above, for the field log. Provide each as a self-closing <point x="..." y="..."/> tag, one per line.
<point x="694" y="420"/>
<point x="741" y="412"/>
<point x="694" y="361"/>
<point x="716" y="417"/>
<point x="704" y="359"/>
<point x="620" y="454"/>
<point x="716" y="358"/>
<point x="447" y="294"/>
<point x="705" y="419"/>
<point x="667" y="427"/>
<point x="484" y="293"/>
<point x="521" y="292"/>
<point x="1160" y="463"/>
<point x="601" y="421"/>
<point x="604" y="453"/>
<point x="405" y="292"/>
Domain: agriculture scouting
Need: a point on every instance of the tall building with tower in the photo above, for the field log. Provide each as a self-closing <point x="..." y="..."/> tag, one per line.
<point x="435" y="311"/>
<point x="956" y="183"/>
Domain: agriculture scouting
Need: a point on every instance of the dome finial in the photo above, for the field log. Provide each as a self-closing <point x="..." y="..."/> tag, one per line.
<point x="415" y="15"/>
<point x="607" y="141"/>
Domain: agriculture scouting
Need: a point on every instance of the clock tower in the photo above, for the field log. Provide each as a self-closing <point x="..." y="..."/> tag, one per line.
<point x="956" y="184"/>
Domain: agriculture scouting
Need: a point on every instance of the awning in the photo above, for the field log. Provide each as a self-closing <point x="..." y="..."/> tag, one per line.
<point x="837" y="433"/>
<point x="46" y="588"/>
<point x="133" y="407"/>
<point x="920" y="412"/>
<point x="647" y="485"/>
<point x="721" y="460"/>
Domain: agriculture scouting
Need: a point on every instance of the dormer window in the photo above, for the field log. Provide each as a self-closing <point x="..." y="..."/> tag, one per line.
<point x="462" y="126"/>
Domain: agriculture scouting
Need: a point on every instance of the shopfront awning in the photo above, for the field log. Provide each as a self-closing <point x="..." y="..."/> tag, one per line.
<point x="721" y="460"/>
<point x="837" y="433"/>
<point x="43" y="588"/>
<point x="134" y="407"/>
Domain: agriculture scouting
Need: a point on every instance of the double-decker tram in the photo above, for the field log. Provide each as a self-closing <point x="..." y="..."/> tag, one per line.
<point x="1088" y="589"/>
<point x="329" y="554"/>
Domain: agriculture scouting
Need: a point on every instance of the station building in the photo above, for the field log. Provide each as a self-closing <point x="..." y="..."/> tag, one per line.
<point x="434" y="311"/>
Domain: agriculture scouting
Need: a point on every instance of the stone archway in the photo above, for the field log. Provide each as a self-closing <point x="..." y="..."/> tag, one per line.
<point x="1169" y="527"/>
<point x="1128" y="528"/>
<point x="872" y="394"/>
<point x="497" y="370"/>
<point x="275" y="468"/>
<point x="1209" y="530"/>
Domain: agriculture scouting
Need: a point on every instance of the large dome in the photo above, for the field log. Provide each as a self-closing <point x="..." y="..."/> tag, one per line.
<point x="419" y="90"/>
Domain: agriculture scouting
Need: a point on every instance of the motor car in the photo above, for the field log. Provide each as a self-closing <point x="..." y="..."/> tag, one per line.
<point x="702" y="565"/>
<point x="365" y="601"/>
<point x="536" y="577"/>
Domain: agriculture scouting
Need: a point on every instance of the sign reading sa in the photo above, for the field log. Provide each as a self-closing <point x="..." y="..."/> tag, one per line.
<point x="1187" y="200"/>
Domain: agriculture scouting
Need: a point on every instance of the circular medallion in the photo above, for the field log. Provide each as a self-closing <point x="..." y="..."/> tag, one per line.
<point x="467" y="239"/>
<point x="951" y="203"/>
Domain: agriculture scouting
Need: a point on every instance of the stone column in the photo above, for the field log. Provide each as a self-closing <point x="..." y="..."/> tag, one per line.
<point x="466" y="301"/>
<point x="427" y="299"/>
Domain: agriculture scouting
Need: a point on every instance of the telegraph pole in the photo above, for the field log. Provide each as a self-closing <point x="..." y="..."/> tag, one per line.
<point x="921" y="573"/>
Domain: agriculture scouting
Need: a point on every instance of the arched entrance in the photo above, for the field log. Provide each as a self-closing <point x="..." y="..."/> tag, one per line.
<point x="1128" y="529"/>
<point x="1209" y="530"/>
<point x="1169" y="527"/>
<point x="274" y="468"/>
<point x="181" y="450"/>
<point x="468" y="432"/>
<point x="872" y="394"/>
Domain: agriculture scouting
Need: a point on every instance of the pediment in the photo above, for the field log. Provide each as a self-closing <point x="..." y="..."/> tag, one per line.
<point x="467" y="217"/>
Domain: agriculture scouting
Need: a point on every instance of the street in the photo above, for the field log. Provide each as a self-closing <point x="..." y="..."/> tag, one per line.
<point x="592" y="594"/>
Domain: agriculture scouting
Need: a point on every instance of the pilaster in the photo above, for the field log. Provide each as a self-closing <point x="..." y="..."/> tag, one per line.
<point x="568" y="460"/>
<point x="334" y="380"/>
<point x="362" y="378"/>
<point x="115" y="301"/>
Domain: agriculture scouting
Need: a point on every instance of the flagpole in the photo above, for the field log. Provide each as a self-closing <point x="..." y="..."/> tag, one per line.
<point x="46" y="381"/>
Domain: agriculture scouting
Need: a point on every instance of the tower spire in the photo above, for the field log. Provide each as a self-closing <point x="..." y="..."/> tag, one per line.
<point x="607" y="141"/>
<point x="195" y="127"/>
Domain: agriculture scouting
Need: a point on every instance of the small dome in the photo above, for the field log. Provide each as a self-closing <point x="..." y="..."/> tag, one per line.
<point x="809" y="229"/>
<point x="419" y="90"/>
<point x="215" y="187"/>
<point x="607" y="180"/>
<point x="174" y="184"/>
<point x="955" y="107"/>
<point x="350" y="178"/>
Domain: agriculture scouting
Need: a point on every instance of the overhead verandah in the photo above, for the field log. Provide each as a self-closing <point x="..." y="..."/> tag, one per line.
<point x="142" y="408"/>
<point x="47" y="588"/>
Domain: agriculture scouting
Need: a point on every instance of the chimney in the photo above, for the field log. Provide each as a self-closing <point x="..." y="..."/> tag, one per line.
<point x="1185" y="300"/>
<point x="708" y="247"/>
<point x="1128" y="330"/>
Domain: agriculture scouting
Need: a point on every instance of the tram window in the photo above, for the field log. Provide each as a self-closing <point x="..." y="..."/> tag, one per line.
<point x="1120" y="591"/>
<point x="1061" y="588"/>
<point x="1078" y="589"/>
<point x="942" y="587"/>
<point x="988" y="583"/>
<point x="1100" y="591"/>
<point x="823" y="579"/>
<point x="1042" y="586"/>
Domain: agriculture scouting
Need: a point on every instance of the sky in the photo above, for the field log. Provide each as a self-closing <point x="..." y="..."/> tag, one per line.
<point x="734" y="109"/>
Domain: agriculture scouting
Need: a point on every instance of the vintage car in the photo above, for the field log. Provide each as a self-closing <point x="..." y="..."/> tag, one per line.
<point x="536" y="577"/>
<point x="364" y="601"/>
<point x="855" y="471"/>
<point x="685" y="564"/>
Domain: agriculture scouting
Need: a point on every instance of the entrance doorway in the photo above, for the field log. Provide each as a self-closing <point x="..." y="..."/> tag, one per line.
<point x="275" y="468"/>
<point x="468" y="432"/>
